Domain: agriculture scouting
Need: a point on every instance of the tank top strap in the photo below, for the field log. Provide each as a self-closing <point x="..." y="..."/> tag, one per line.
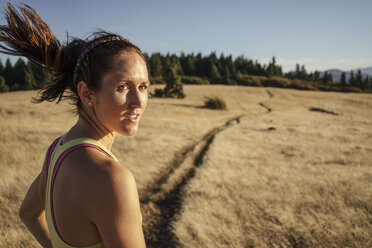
<point x="49" y="156"/>
<point x="57" y="152"/>
<point x="81" y="141"/>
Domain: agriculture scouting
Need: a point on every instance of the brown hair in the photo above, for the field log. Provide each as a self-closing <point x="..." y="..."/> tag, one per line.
<point x="28" y="35"/>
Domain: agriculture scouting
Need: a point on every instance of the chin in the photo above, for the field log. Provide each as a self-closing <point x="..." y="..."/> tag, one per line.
<point x="129" y="131"/>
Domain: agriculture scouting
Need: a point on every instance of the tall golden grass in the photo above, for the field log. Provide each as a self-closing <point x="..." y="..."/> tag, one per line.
<point x="278" y="175"/>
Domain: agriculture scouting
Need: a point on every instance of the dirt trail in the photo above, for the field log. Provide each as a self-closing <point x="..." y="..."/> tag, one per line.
<point x="162" y="202"/>
<point x="264" y="103"/>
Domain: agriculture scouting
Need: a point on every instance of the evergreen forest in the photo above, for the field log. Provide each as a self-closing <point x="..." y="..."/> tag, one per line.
<point x="198" y="69"/>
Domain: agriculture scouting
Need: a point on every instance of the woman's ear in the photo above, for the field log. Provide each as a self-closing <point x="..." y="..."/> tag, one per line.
<point x="86" y="95"/>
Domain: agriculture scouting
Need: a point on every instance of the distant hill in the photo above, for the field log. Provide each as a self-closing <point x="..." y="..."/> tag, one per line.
<point x="336" y="73"/>
<point x="367" y="70"/>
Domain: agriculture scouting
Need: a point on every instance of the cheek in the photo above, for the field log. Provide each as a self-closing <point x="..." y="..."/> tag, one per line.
<point x="118" y="99"/>
<point x="144" y="98"/>
<point x="110" y="104"/>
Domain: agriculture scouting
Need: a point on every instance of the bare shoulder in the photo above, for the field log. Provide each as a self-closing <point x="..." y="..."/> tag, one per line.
<point x="105" y="193"/>
<point x="113" y="177"/>
<point x="97" y="179"/>
<point x="106" y="177"/>
<point x="98" y="167"/>
<point x="114" y="204"/>
<point x="107" y="181"/>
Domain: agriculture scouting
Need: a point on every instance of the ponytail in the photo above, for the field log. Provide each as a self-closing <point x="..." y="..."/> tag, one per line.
<point x="26" y="34"/>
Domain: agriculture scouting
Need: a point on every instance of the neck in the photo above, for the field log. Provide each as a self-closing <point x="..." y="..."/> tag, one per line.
<point x="89" y="126"/>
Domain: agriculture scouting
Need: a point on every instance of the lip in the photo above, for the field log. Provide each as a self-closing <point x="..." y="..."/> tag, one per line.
<point x="132" y="117"/>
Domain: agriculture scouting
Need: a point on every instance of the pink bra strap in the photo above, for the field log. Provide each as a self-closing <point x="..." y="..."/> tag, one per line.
<point x="55" y="171"/>
<point x="49" y="156"/>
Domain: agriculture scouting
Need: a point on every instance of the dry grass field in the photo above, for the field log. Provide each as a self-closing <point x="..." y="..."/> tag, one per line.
<point x="279" y="168"/>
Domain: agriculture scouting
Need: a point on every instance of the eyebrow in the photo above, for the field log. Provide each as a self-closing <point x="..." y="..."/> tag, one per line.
<point x="133" y="82"/>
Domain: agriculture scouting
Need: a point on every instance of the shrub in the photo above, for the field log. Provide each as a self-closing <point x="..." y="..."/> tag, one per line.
<point x="248" y="80"/>
<point x="173" y="87"/>
<point x="225" y="81"/>
<point x="302" y="85"/>
<point x="215" y="103"/>
<point x="158" y="93"/>
<point x="280" y="82"/>
<point x="352" y="89"/>
<point x="194" y="80"/>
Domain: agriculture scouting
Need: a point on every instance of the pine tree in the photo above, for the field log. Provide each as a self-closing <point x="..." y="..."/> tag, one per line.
<point x="343" y="79"/>
<point x="325" y="78"/>
<point x="278" y="71"/>
<point x="271" y="68"/>
<point x="365" y="83"/>
<point x="202" y="66"/>
<point x="352" y="80"/>
<point x="359" y="79"/>
<point x="311" y="76"/>
<point x="189" y="68"/>
<point x="9" y="76"/>
<point x="316" y="77"/>
<point x="156" y="67"/>
<point x="214" y="73"/>
<point x="226" y="72"/>
<point x="41" y="75"/>
<point x="297" y="72"/>
<point x="303" y="73"/>
<point x="3" y="86"/>
<point x="289" y="75"/>
<point x="330" y="78"/>
<point x="175" y="62"/>
<point x="231" y="65"/>
<point x="20" y="75"/>
<point x="240" y="64"/>
<point x="249" y="67"/>
<point x="1" y="68"/>
<point x="30" y="82"/>
<point x="174" y="85"/>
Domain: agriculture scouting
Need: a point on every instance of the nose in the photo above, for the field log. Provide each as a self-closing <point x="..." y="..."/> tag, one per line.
<point x="137" y="99"/>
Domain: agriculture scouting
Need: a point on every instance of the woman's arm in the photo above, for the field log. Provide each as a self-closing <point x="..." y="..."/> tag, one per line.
<point x="116" y="211"/>
<point x="32" y="211"/>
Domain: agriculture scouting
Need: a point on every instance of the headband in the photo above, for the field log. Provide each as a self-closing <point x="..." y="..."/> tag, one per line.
<point x="87" y="49"/>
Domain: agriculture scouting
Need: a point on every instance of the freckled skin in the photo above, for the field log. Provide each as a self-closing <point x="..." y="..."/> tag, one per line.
<point x="123" y="92"/>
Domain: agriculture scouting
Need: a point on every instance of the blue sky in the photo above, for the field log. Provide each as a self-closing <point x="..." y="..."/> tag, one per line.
<point x="319" y="34"/>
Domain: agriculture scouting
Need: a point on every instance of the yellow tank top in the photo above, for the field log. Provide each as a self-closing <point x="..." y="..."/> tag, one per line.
<point x="55" y="156"/>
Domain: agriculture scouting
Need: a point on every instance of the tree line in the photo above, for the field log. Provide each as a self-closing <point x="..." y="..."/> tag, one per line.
<point x="355" y="79"/>
<point x="21" y="76"/>
<point x="226" y="70"/>
<point x="197" y="69"/>
<point x="217" y="69"/>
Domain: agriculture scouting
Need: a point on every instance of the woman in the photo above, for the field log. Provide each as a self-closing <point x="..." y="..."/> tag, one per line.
<point x="83" y="197"/>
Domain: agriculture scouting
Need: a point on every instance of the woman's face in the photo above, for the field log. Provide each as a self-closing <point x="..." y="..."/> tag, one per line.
<point x="122" y="97"/>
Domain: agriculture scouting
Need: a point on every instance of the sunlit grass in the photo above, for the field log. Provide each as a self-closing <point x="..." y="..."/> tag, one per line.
<point x="290" y="177"/>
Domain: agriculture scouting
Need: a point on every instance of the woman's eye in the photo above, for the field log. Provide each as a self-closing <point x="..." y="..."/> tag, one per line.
<point x="122" y="87"/>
